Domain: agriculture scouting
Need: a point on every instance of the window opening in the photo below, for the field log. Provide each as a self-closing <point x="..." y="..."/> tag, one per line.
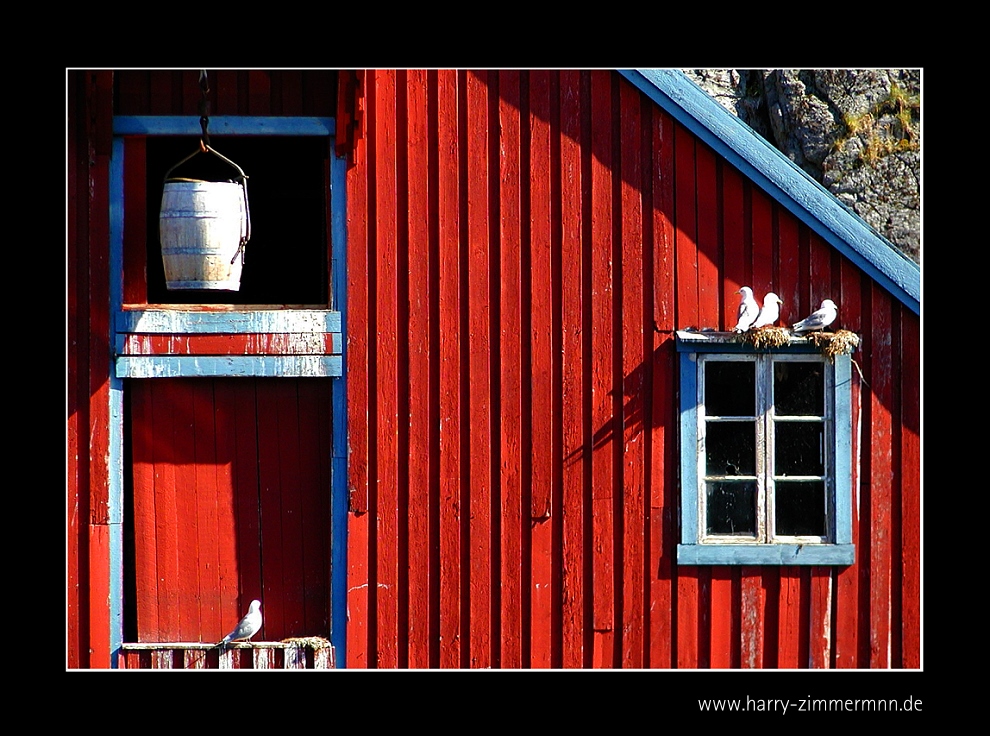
<point x="766" y="453"/>
<point x="286" y="261"/>
<point x="764" y="425"/>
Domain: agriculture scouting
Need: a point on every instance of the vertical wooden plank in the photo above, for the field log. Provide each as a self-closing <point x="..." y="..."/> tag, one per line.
<point x="479" y="369"/>
<point x="910" y="463"/>
<point x="421" y="417"/>
<point x="686" y="230"/>
<point x="451" y="486"/>
<point x="881" y="490"/>
<point x="663" y="440"/>
<point x="573" y="400"/>
<point x="360" y="212"/>
<point x="223" y="580"/>
<point x="752" y="618"/>
<point x="164" y="398"/>
<point x="273" y="542"/>
<point x="787" y="623"/>
<point x="688" y="314"/>
<point x="143" y="475"/>
<point x="603" y="418"/>
<point x="161" y="100"/>
<point x="820" y="627"/>
<point x="819" y="284"/>
<point x="263" y="659"/>
<point x="847" y="583"/>
<point x="709" y="217"/>
<point x="99" y="110"/>
<point x="314" y="504"/>
<point x="259" y="92"/>
<point x="795" y="281"/>
<point x="77" y="258"/>
<point x="133" y="92"/>
<point x="634" y="366"/>
<point x="820" y="287"/>
<point x="207" y="530"/>
<point x="541" y="368"/>
<point x="290" y="91"/>
<point x="514" y="522"/>
<point x="224" y="86"/>
<point x="243" y="581"/>
<point x="385" y="492"/>
<point x="775" y="251"/>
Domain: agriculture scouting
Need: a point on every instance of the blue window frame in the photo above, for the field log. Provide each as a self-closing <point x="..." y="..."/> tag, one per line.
<point x="765" y="454"/>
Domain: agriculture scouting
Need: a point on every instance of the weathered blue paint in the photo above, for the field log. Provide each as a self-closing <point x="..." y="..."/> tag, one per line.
<point x="766" y="554"/>
<point x="115" y="461"/>
<point x="222" y="125"/>
<point x="843" y="449"/>
<point x="176" y="321"/>
<point x="770" y="169"/>
<point x="229" y="366"/>
<point x="689" y="454"/>
<point x="727" y="342"/>
<point x="338" y="461"/>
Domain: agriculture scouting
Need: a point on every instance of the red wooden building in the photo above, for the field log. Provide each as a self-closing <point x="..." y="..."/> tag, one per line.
<point x="454" y="417"/>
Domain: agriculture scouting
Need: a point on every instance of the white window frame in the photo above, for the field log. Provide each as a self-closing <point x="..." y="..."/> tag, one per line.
<point x="698" y="547"/>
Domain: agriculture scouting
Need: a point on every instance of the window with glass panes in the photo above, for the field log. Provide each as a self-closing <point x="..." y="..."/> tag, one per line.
<point x="765" y="458"/>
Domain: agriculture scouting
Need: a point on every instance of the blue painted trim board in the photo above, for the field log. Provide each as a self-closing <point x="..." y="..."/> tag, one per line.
<point x="338" y="465"/>
<point x="222" y="125"/>
<point x="229" y="366"/>
<point x="168" y="321"/>
<point x="772" y="171"/>
<point x="689" y="455"/>
<point x="766" y="554"/>
<point x="115" y="461"/>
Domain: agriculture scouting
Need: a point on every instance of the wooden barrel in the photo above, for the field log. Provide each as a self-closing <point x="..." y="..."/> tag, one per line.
<point x="201" y="225"/>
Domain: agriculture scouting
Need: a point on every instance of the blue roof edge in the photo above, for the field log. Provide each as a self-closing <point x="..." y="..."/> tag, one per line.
<point x="783" y="180"/>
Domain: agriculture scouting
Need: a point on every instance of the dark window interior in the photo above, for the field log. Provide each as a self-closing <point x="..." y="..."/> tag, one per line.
<point x="800" y="508"/>
<point x="732" y="508"/>
<point x="730" y="388"/>
<point x="285" y="261"/>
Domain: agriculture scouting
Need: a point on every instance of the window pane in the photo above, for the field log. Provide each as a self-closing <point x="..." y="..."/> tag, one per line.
<point x="730" y="448"/>
<point x="730" y="389"/>
<point x="800" y="508"/>
<point x="799" y="388"/>
<point x="732" y="508"/>
<point x="798" y="447"/>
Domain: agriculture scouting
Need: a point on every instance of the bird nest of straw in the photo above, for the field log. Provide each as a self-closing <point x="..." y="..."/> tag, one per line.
<point x="313" y="642"/>
<point x="840" y="342"/>
<point x="767" y="337"/>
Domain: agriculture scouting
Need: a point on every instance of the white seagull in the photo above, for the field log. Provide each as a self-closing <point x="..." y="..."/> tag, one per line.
<point x="770" y="311"/>
<point x="749" y="310"/>
<point x="246" y="628"/>
<point x="818" y="319"/>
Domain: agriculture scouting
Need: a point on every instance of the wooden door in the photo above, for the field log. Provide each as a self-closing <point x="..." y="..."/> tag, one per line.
<point x="231" y="501"/>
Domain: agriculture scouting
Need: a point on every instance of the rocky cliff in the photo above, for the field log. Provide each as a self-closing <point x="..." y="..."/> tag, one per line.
<point x="856" y="131"/>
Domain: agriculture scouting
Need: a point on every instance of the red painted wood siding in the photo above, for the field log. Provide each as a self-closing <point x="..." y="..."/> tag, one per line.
<point x="521" y="247"/>
<point x="232" y="92"/>
<point x="418" y="337"/>
<point x="231" y="484"/>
